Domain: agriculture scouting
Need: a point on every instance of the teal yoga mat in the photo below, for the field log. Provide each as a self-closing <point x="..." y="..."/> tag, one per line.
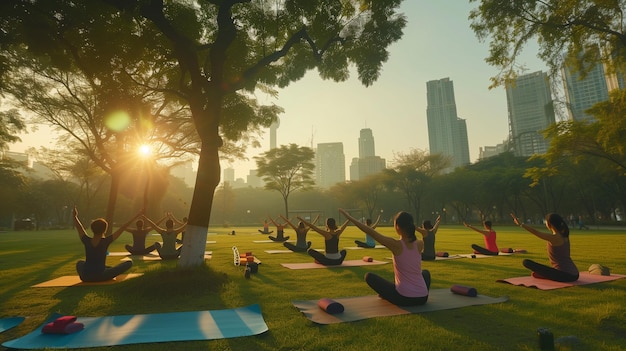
<point x="149" y="328"/>
<point x="8" y="323"/>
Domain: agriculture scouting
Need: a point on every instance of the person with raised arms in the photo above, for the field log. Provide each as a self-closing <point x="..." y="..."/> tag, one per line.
<point x="301" y="231"/>
<point x="489" y="236"/>
<point x="369" y="243"/>
<point x="558" y="246"/>
<point x="169" y="234"/>
<point x="140" y="233"/>
<point x="428" y="231"/>
<point x="280" y="231"/>
<point x="332" y="256"/>
<point x="94" y="268"/>
<point x="411" y="283"/>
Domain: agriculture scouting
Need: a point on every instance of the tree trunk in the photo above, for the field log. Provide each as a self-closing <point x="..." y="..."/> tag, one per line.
<point x="115" y="186"/>
<point x="207" y="179"/>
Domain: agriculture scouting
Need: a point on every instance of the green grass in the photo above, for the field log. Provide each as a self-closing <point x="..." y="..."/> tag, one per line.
<point x="595" y="314"/>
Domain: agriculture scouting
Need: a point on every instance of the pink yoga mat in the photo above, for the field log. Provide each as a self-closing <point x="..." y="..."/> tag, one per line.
<point x="545" y="284"/>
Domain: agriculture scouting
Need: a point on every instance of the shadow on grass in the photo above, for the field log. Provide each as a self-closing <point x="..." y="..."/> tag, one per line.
<point x="160" y="290"/>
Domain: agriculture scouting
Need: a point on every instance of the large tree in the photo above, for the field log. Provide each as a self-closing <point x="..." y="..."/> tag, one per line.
<point x="225" y="49"/>
<point x="217" y="53"/>
<point x="286" y="169"/>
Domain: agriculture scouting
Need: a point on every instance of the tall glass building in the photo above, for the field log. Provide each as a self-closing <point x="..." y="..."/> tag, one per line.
<point x="447" y="133"/>
<point x="531" y="111"/>
<point x="330" y="164"/>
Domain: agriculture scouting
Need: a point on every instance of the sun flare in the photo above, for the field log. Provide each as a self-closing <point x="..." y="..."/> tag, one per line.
<point x="144" y="150"/>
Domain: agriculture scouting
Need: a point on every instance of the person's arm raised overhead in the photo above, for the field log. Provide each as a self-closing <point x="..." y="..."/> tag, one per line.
<point x="121" y="229"/>
<point x="288" y="222"/>
<point x="320" y="231"/>
<point x="436" y="226"/>
<point x="375" y="224"/>
<point x="79" y="226"/>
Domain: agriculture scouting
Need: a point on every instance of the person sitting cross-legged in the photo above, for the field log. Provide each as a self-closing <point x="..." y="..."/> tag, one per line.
<point x="332" y="255"/>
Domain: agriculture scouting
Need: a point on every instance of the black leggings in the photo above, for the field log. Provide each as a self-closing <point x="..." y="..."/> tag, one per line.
<point x="549" y="272"/>
<point x="325" y="260"/>
<point x="108" y="273"/>
<point x="280" y="238"/>
<point x="140" y="252"/>
<point x="387" y="290"/>
<point x="483" y="251"/>
<point x="295" y="248"/>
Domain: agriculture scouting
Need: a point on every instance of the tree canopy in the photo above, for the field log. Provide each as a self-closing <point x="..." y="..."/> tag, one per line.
<point x="563" y="29"/>
<point x="286" y="169"/>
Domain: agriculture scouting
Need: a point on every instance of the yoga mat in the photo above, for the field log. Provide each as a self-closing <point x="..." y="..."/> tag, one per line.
<point x="150" y="328"/>
<point x="437" y="258"/>
<point x="278" y="251"/>
<point x="10" y="322"/>
<point x="119" y="253"/>
<point x="485" y="256"/>
<point x="272" y="241"/>
<point x="74" y="280"/>
<point x="451" y="257"/>
<point x="152" y="257"/>
<point x="349" y="263"/>
<point x="363" y="307"/>
<point x="360" y="248"/>
<point x="546" y="284"/>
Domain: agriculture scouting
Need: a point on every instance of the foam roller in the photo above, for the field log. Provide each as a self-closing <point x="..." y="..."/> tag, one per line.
<point x="330" y="306"/>
<point x="464" y="290"/>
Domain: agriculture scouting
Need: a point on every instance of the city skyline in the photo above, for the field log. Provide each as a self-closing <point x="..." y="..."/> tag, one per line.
<point x="437" y="44"/>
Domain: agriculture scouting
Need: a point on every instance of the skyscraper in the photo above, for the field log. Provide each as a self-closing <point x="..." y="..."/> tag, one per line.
<point x="367" y="163"/>
<point x="531" y="111"/>
<point x="273" y="127"/>
<point x="582" y="93"/>
<point x="366" y="143"/>
<point x="330" y="164"/>
<point x="447" y="133"/>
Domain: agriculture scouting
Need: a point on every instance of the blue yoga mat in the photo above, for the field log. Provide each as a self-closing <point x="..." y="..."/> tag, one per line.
<point x="149" y="328"/>
<point x="8" y="323"/>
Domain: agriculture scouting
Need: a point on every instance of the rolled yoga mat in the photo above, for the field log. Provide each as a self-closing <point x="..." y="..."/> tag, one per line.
<point x="330" y="306"/>
<point x="368" y="259"/>
<point x="464" y="290"/>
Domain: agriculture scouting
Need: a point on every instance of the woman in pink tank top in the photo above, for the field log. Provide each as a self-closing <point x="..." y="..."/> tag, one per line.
<point x="411" y="283"/>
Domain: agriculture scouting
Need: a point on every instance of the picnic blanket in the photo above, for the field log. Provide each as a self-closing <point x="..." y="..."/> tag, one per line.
<point x="363" y="307"/>
<point x="348" y="263"/>
<point x="74" y="280"/>
<point x="149" y="328"/>
<point x="546" y="284"/>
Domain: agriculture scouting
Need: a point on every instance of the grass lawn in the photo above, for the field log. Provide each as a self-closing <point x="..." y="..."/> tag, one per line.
<point x="595" y="314"/>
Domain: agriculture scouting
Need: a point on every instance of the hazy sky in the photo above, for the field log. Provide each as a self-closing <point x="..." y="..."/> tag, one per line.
<point x="437" y="43"/>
